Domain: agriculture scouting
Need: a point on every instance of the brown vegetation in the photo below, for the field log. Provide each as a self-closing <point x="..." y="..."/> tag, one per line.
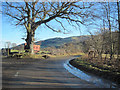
<point x="106" y="68"/>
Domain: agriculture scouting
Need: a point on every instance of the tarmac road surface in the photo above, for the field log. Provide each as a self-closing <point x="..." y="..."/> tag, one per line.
<point x="36" y="73"/>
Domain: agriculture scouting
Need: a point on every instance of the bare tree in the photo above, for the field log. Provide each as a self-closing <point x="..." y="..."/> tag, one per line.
<point x="109" y="17"/>
<point x="31" y="15"/>
<point x="13" y="45"/>
<point x="118" y="9"/>
<point x="8" y="44"/>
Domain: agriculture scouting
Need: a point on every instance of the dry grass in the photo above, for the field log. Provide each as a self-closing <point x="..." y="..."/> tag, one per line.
<point x="108" y="56"/>
<point x="109" y="69"/>
<point x="113" y="64"/>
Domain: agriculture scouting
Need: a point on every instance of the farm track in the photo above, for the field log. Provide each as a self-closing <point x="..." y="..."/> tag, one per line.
<point x="36" y="73"/>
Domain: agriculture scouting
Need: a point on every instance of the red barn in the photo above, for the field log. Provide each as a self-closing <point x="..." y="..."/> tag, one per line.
<point x="35" y="47"/>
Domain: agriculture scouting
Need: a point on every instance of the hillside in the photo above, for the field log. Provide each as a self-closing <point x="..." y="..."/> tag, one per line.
<point x="56" y="42"/>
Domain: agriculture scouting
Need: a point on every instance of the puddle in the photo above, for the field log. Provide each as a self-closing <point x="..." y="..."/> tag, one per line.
<point x="98" y="81"/>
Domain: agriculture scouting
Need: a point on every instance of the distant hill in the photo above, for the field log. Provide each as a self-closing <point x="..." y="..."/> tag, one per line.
<point x="56" y="42"/>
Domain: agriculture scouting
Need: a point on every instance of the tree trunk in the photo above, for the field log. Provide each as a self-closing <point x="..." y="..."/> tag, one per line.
<point x="109" y="23"/>
<point x="119" y="27"/>
<point x="30" y="42"/>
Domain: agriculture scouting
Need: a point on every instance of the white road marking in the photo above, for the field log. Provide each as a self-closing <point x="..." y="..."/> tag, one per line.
<point x="16" y="74"/>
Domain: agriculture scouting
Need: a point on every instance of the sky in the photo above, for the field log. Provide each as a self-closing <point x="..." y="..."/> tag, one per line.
<point x="14" y="34"/>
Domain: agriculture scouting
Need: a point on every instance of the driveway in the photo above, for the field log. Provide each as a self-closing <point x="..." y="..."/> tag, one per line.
<point x="36" y="73"/>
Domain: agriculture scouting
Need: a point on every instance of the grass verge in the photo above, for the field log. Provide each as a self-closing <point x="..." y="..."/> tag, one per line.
<point x="104" y="71"/>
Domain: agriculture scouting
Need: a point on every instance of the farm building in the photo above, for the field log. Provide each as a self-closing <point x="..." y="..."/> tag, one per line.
<point x="35" y="47"/>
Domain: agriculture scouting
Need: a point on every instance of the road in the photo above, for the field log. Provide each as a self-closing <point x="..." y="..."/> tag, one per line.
<point x="36" y="73"/>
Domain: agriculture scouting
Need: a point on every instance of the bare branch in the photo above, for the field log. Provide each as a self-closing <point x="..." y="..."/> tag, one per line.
<point x="13" y="16"/>
<point x="61" y="24"/>
<point x="72" y="19"/>
<point x="52" y="28"/>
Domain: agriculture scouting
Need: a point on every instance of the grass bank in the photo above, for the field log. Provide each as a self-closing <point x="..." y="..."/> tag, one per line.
<point x="40" y="56"/>
<point x="103" y="70"/>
